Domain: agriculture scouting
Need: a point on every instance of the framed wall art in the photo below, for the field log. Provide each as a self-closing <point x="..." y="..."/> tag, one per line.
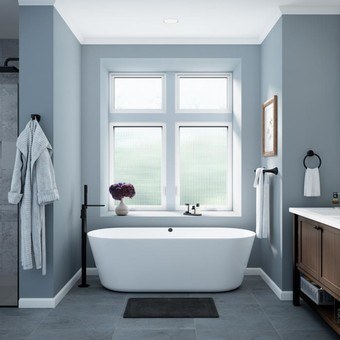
<point x="269" y="127"/>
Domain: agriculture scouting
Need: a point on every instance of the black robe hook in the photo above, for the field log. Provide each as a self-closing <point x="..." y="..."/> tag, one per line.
<point x="37" y="117"/>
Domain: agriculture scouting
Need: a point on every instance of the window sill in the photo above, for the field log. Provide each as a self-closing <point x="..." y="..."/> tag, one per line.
<point x="171" y="213"/>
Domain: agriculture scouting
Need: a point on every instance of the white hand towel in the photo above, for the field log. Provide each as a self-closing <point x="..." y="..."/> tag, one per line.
<point x="261" y="183"/>
<point x="312" y="182"/>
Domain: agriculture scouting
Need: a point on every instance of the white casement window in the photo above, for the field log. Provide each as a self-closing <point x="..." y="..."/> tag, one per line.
<point x="137" y="93"/>
<point x="204" y="165"/>
<point x="203" y="93"/>
<point x="169" y="144"/>
<point x="138" y="157"/>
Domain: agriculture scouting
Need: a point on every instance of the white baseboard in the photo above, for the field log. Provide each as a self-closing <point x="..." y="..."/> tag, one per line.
<point x="253" y="272"/>
<point x="50" y="302"/>
<point x="53" y="302"/>
<point x="281" y="294"/>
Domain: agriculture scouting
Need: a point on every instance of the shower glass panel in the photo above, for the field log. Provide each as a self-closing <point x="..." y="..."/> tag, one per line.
<point x="8" y="212"/>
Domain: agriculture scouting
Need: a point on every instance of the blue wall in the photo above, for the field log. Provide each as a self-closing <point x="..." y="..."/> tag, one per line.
<point x="94" y="55"/>
<point x="36" y="96"/>
<point x="311" y="114"/>
<point x="300" y="63"/>
<point x="67" y="151"/>
<point x="271" y="84"/>
<point x="50" y="86"/>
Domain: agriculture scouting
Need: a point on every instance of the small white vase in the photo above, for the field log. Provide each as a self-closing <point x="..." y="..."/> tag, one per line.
<point x="122" y="209"/>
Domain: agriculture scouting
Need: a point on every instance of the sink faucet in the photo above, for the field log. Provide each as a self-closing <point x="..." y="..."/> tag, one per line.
<point x="335" y="200"/>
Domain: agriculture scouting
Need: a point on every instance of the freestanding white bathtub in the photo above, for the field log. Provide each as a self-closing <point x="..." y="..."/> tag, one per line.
<point x="171" y="259"/>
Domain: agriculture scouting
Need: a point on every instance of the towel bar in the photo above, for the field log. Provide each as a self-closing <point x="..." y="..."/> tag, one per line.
<point x="274" y="171"/>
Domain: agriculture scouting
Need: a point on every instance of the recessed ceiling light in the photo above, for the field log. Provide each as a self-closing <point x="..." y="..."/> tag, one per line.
<point x="170" y="21"/>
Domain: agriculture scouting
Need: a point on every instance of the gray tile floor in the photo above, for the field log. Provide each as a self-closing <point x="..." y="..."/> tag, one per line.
<point x="250" y="312"/>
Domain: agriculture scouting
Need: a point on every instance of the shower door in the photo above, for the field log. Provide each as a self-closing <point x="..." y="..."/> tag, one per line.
<point x="8" y="212"/>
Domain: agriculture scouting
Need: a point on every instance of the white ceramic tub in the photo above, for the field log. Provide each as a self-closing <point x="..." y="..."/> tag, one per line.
<point x="181" y="260"/>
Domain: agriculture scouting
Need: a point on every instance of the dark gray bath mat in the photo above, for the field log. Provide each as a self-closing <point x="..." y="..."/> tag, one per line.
<point x="170" y="308"/>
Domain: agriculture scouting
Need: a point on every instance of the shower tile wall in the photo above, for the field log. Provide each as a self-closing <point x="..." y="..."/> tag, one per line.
<point x="8" y="213"/>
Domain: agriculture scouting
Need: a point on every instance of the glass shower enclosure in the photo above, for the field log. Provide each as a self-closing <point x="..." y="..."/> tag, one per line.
<point x="9" y="78"/>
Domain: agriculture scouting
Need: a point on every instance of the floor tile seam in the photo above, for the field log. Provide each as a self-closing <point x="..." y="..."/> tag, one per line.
<point x="156" y="328"/>
<point x="266" y="316"/>
<point x="269" y="319"/>
<point x="78" y="318"/>
<point x="195" y="328"/>
<point x="38" y="325"/>
<point x="234" y="304"/>
<point x="297" y="329"/>
<point x="258" y="301"/>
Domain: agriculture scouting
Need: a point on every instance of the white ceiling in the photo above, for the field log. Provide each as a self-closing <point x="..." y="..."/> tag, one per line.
<point x="200" y="21"/>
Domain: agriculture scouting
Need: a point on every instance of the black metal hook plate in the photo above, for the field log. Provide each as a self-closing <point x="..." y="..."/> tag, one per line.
<point x="37" y="117"/>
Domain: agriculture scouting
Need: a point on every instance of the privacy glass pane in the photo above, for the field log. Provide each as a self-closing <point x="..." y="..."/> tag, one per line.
<point x="137" y="93"/>
<point x="203" y="93"/>
<point x="138" y="160"/>
<point x="203" y="165"/>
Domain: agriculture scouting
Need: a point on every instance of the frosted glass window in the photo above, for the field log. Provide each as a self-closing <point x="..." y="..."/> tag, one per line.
<point x="137" y="93"/>
<point x="203" y="165"/>
<point x="203" y="93"/>
<point x="138" y="160"/>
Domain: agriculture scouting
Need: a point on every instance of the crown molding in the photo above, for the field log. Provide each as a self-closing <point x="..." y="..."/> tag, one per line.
<point x="310" y="10"/>
<point x="70" y="25"/>
<point x="169" y="41"/>
<point x="269" y="27"/>
<point x="36" y="2"/>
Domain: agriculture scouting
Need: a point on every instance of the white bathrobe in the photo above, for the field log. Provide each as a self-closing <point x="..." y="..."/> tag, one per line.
<point x="33" y="186"/>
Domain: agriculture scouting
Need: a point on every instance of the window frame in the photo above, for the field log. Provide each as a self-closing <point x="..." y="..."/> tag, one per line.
<point x="111" y="201"/>
<point x="113" y="75"/>
<point x="228" y="125"/>
<point x="226" y="75"/>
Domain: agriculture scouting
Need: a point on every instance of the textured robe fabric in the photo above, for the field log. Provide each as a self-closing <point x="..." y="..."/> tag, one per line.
<point x="33" y="186"/>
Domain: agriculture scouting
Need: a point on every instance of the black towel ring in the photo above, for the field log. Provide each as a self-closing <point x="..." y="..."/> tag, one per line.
<point x="311" y="153"/>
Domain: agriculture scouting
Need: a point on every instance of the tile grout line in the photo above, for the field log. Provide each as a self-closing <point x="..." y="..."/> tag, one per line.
<point x="195" y="328"/>
<point x="264" y="312"/>
<point x="41" y="321"/>
<point x="120" y="315"/>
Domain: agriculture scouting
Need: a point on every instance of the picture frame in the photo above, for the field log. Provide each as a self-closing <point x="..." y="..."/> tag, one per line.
<point x="269" y="127"/>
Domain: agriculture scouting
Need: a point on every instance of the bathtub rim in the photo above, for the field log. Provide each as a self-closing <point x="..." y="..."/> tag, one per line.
<point x="245" y="233"/>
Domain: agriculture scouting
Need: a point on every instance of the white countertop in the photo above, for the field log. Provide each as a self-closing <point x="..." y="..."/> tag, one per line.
<point x="329" y="216"/>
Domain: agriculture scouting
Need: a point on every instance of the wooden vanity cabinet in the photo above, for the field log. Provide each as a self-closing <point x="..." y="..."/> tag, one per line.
<point x="309" y="247"/>
<point x="329" y="274"/>
<point x="317" y="257"/>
